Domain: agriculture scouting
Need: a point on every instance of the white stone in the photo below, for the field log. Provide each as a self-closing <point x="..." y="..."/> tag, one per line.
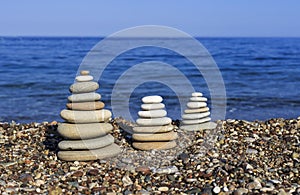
<point x="87" y="155"/>
<point x="198" y="99"/>
<point x="196" y="121"/>
<point x="196" y="110"/>
<point x="152" y="113"/>
<point x="84" y="78"/>
<point x="195" y="115"/>
<point x="197" y="94"/>
<point x="84" y="97"/>
<point x="153" y="106"/>
<point x="152" y="99"/>
<point x="154" y="121"/>
<point x="196" y="105"/>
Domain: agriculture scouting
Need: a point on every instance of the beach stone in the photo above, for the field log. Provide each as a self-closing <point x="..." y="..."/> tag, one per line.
<point x="88" y="155"/>
<point x="152" y="113"/>
<point x="197" y="94"/>
<point x="84" y="97"/>
<point x="195" y="115"/>
<point x="153" y="129"/>
<point x="153" y="99"/>
<point x="153" y="121"/>
<point x="196" y="121"/>
<point x="153" y="106"/>
<point x="85" y="105"/>
<point x="94" y="116"/>
<point x="84" y="72"/>
<point x="196" y="104"/>
<point x="155" y="137"/>
<point x="94" y="143"/>
<point x="154" y="145"/>
<point x="84" y="78"/>
<point x="198" y="99"/>
<point x="84" y="87"/>
<point x="83" y="131"/>
<point x="197" y="110"/>
<point x="198" y="127"/>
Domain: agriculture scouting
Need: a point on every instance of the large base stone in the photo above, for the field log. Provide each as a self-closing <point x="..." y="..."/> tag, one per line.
<point x="155" y="137"/>
<point x="154" y="145"/>
<point x="95" y="143"/>
<point x="199" y="127"/>
<point x="87" y="155"/>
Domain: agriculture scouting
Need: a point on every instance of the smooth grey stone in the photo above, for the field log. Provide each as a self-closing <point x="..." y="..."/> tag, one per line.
<point x="88" y="155"/>
<point x="152" y="99"/>
<point x="84" y="87"/>
<point x="153" y="106"/>
<point x="195" y="115"/>
<point x="198" y="127"/>
<point x="196" y="110"/>
<point x="95" y="116"/>
<point x="196" y="121"/>
<point x="84" y="97"/>
<point x="85" y="105"/>
<point x="94" y="143"/>
<point x="84" y="78"/>
<point x="154" y="121"/>
<point x="153" y="129"/>
<point x="196" y="104"/>
<point x="197" y="94"/>
<point x="198" y="99"/>
<point x="83" y="131"/>
<point x="152" y="113"/>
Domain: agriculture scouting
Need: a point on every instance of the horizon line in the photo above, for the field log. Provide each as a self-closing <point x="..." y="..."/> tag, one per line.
<point x="103" y="36"/>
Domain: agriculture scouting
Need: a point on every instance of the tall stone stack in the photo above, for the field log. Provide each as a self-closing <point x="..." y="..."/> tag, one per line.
<point x="86" y="128"/>
<point x="154" y="129"/>
<point x="197" y="116"/>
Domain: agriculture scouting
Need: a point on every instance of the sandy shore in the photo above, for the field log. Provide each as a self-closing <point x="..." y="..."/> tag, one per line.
<point x="238" y="157"/>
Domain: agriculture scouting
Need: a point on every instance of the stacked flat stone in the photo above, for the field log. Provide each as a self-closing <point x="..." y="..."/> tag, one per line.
<point x="197" y="116"/>
<point x="86" y="128"/>
<point x="154" y="129"/>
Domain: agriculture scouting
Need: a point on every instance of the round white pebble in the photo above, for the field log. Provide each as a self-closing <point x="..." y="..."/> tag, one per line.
<point x="83" y="78"/>
<point x="197" y="94"/>
<point x="152" y="99"/>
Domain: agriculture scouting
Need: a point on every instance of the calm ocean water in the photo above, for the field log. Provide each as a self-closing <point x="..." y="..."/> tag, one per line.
<point x="261" y="75"/>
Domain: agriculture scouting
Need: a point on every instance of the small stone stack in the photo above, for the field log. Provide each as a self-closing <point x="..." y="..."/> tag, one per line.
<point x="154" y="130"/>
<point x="197" y="116"/>
<point x="86" y="129"/>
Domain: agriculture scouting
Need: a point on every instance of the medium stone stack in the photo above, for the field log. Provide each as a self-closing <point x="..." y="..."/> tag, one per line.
<point x="86" y="128"/>
<point x="154" y="130"/>
<point x="197" y="116"/>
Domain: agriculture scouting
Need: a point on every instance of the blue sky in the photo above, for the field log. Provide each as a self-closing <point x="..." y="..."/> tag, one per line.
<point x="263" y="18"/>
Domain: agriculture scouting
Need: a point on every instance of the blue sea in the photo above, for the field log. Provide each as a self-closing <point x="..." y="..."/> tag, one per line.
<point x="261" y="76"/>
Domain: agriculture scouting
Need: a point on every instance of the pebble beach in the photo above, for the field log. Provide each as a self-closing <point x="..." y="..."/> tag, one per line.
<point x="237" y="157"/>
